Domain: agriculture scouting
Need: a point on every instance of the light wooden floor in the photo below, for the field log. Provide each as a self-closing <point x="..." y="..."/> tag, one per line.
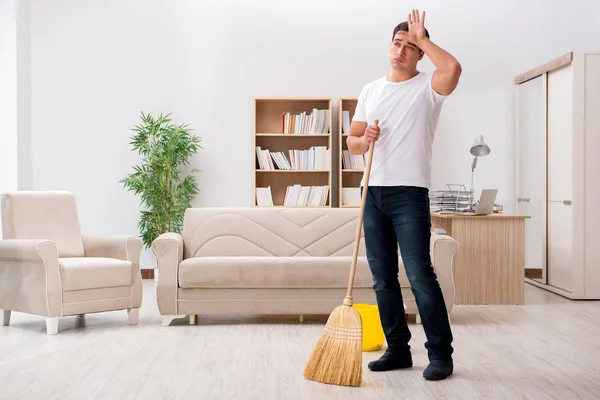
<point x="547" y="349"/>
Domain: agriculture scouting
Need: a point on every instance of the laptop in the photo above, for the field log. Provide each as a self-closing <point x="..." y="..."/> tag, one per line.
<point x="484" y="207"/>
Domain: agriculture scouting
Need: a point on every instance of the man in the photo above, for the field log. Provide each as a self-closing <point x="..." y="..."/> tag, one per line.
<point x="400" y="112"/>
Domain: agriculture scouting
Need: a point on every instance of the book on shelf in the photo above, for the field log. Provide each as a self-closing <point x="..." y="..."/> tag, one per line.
<point x="307" y="196"/>
<point x="351" y="196"/>
<point x="314" y="123"/>
<point x="345" y="122"/>
<point x="295" y="196"/>
<point x="314" y="158"/>
<point x="264" y="197"/>
<point x="353" y="161"/>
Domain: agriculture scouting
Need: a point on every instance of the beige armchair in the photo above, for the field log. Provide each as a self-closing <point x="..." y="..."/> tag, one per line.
<point x="48" y="268"/>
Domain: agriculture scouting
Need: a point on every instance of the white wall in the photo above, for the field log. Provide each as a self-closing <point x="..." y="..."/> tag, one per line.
<point x="24" y="96"/>
<point x="96" y="65"/>
<point x="8" y="97"/>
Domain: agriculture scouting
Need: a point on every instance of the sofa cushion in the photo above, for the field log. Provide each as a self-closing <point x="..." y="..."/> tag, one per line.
<point x="274" y="272"/>
<point x="77" y="273"/>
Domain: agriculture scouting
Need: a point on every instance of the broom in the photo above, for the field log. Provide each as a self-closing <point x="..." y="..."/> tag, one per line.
<point x="337" y="357"/>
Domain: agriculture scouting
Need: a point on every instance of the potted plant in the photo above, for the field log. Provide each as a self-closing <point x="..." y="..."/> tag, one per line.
<point x="165" y="190"/>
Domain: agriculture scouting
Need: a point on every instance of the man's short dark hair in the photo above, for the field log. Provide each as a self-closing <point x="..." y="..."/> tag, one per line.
<point x="403" y="26"/>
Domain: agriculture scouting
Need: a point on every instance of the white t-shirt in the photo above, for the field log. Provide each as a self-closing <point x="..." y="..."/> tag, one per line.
<point x="408" y="114"/>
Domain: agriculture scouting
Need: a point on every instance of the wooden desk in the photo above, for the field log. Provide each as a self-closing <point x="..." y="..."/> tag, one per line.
<point x="489" y="267"/>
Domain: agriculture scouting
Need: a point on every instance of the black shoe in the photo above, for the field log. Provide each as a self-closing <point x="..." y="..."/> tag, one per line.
<point x="438" y="369"/>
<point x="390" y="360"/>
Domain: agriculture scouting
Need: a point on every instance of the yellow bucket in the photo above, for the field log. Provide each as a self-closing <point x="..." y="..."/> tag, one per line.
<point x="373" y="336"/>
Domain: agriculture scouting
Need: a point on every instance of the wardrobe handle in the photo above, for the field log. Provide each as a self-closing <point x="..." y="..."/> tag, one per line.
<point x="523" y="199"/>
<point x="567" y="202"/>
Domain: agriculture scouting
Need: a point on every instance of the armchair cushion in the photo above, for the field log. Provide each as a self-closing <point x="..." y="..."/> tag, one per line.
<point x="78" y="273"/>
<point x="43" y="215"/>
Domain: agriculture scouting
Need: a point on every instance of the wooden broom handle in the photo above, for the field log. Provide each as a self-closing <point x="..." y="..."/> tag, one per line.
<point x="348" y="299"/>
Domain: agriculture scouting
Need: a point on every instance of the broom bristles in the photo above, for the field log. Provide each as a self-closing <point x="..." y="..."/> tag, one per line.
<point x="337" y="357"/>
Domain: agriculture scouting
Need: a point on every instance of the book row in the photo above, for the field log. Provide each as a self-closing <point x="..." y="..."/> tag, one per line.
<point x="314" y="158"/>
<point x="295" y="196"/>
<point x="315" y="123"/>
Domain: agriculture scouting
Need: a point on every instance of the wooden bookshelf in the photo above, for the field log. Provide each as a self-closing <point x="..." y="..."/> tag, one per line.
<point x="292" y="146"/>
<point x="349" y="178"/>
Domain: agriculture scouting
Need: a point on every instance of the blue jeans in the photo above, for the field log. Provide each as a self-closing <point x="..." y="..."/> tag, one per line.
<point x="399" y="216"/>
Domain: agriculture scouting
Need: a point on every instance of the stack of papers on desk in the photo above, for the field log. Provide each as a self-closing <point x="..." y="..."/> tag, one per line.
<point x="450" y="200"/>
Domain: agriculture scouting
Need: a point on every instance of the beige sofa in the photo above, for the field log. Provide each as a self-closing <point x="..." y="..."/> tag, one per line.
<point x="48" y="268"/>
<point x="272" y="261"/>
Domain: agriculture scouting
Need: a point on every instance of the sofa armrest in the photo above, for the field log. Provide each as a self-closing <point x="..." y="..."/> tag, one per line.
<point x="443" y="249"/>
<point x="168" y="249"/>
<point x="30" y="277"/>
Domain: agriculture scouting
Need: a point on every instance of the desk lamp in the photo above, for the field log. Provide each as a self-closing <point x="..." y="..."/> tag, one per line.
<point x="478" y="149"/>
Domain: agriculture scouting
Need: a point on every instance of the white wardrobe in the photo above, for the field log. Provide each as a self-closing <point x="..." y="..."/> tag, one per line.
<point x="558" y="173"/>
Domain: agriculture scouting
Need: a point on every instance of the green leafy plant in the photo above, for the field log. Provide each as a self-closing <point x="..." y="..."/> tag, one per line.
<point x="165" y="194"/>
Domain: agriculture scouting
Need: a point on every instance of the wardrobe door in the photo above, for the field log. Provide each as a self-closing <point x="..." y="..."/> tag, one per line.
<point x="531" y="170"/>
<point x="591" y="211"/>
<point x="560" y="246"/>
<point x="560" y="178"/>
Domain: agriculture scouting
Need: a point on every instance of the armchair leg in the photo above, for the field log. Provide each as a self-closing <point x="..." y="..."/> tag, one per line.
<point x="133" y="314"/>
<point x="193" y="319"/>
<point x="6" y="319"/>
<point x="167" y="319"/>
<point x="51" y="326"/>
